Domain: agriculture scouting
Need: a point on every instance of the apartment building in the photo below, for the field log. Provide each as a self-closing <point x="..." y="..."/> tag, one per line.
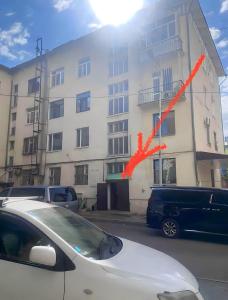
<point x="76" y="122"/>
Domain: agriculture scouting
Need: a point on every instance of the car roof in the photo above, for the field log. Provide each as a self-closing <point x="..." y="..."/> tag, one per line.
<point x="187" y="188"/>
<point x="38" y="186"/>
<point x="23" y="206"/>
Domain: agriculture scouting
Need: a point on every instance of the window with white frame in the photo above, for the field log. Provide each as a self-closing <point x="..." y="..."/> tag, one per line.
<point x="118" y="146"/>
<point x="81" y="175"/>
<point x="118" y="88"/>
<point x="83" y="102"/>
<point x="116" y="167"/>
<point x="161" y="30"/>
<point x="118" y="126"/>
<point x="84" y="67"/>
<point x="13" y="131"/>
<point x="11" y="145"/>
<point x="11" y="160"/>
<point x="118" y="105"/>
<point x="30" y="145"/>
<point x="33" y="85"/>
<point x="168" y="171"/>
<point x="32" y="115"/>
<point x="56" y="109"/>
<point x="118" y="63"/>
<point x="55" y="176"/>
<point x="15" y="95"/>
<point x="57" y="77"/>
<point x="118" y="67"/>
<point x="55" y="141"/>
<point x="82" y="137"/>
<point x="14" y="116"/>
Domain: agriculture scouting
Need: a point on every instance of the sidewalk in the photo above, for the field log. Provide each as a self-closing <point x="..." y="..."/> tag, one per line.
<point x="114" y="216"/>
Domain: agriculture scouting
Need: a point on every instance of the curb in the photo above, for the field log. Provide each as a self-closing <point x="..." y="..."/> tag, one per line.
<point x="111" y="220"/>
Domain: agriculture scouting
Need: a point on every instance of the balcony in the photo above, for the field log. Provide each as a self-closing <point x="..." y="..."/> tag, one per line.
<point x="153" y="50"/>
<point x="150" y="95"/>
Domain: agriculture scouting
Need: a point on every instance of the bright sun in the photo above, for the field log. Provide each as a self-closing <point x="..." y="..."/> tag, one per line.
<point x="115" y="12"/>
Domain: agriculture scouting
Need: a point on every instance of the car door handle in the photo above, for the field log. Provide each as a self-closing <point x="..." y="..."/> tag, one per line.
<point x="216" y="209"/>
<point x="206" y="208"/>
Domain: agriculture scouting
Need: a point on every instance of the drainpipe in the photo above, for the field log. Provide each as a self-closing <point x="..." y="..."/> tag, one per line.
<point x="191" y="96"/>
<point x="8" y="130"/>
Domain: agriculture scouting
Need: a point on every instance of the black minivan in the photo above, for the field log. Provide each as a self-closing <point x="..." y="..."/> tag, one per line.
<point x="176" y="209"/>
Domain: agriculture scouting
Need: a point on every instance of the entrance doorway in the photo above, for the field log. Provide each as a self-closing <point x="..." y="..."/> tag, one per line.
<point x="119" y="195"/>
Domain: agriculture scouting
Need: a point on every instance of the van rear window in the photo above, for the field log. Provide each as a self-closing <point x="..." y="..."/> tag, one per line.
<point x="27" y="192"/>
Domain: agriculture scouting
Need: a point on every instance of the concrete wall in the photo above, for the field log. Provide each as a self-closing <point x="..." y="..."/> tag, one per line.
<point x="5" y="91"/>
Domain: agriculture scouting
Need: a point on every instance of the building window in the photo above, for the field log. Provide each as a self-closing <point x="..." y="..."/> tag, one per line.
<point x="168" y="125"/>
<point x="13" y="131"/>
<point x="118" y="67"/>
<point x="167" y="75"/>
<point x="118" y="146"/>
<point x="119" y="126"/>
<point x="118" y="61"/>
<point x="15" y="95"/>
<point x="215" y="141"/>
<point x="162" y="30"/>
<point x="84" y="67"/>
<point x="82" y="137"/>
<point x="11" y="145"/>
<point x="30" y="145"/>
<point x="13" y="116"/>
<point x="168" y="171"/>
<point x="34" y="85"/>
<point x="27" y="177"/>
<point x="32" y="115"/>
<point x="56" y="109"/>
<point x="55" y="176"/>
<point x="207" y="124"/>
<point x="81" y="175"/>
<point x="83" y="102"/>
<point x="11" y="159"/>
<point x="118" y="105"/>
<point x="118" y="88"/>
<point x="116" y="168"/>
<point x="57" y="77"/>
<point x="55" y="141"/>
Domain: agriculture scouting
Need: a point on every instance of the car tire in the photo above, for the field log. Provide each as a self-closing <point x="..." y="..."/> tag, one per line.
<point x="170" y="229"/>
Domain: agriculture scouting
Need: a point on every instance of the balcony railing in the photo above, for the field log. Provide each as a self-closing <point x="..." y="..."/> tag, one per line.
<point x="151" y="95"/>
<point x="163" y="47"/>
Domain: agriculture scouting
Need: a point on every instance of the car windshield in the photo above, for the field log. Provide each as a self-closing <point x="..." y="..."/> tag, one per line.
<point x="84" y="237"/>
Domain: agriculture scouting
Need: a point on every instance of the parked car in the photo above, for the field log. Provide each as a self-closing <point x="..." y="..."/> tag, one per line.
<point x="60" y="195"/>
<point x="176" y="209"/>
<point x="49" y="252"/>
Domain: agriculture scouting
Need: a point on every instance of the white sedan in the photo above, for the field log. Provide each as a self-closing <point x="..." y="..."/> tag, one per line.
<point x="50" y="253"/>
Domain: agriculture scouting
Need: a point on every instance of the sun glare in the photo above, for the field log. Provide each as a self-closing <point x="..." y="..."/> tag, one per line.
<point x="115" y="12"/>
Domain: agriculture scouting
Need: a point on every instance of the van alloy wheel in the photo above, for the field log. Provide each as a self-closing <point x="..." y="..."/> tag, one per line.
<point x="170" y="228"/>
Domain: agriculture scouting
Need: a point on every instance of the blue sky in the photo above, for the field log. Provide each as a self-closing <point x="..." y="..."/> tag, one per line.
<point x="58" y="21"/>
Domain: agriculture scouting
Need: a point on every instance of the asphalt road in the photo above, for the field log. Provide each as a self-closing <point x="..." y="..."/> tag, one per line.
<point x="205" y="256"/>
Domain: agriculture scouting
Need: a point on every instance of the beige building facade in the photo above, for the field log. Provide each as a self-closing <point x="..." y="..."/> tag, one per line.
<point x="80" y="107"/>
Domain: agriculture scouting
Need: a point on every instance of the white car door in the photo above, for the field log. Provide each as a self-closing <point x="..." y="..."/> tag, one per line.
<point x="19" y="278"/>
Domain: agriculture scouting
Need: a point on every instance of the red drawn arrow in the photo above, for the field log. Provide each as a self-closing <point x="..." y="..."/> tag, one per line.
<point x="143" y="151"/>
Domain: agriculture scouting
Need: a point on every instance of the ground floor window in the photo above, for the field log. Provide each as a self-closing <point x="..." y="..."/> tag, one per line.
<point x="81" y="175"/>
<point x="116" y="168"/>
<point x="27" y="177"/>
<point x="55" y="176"/>
<point x="168" y="171"/>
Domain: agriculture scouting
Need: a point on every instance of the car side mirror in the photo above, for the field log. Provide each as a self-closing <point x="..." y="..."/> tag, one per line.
<point x="43" y="255"/>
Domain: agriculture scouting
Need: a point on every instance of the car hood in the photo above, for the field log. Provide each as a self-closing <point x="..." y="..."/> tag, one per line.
<point x="141" y="262"/>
